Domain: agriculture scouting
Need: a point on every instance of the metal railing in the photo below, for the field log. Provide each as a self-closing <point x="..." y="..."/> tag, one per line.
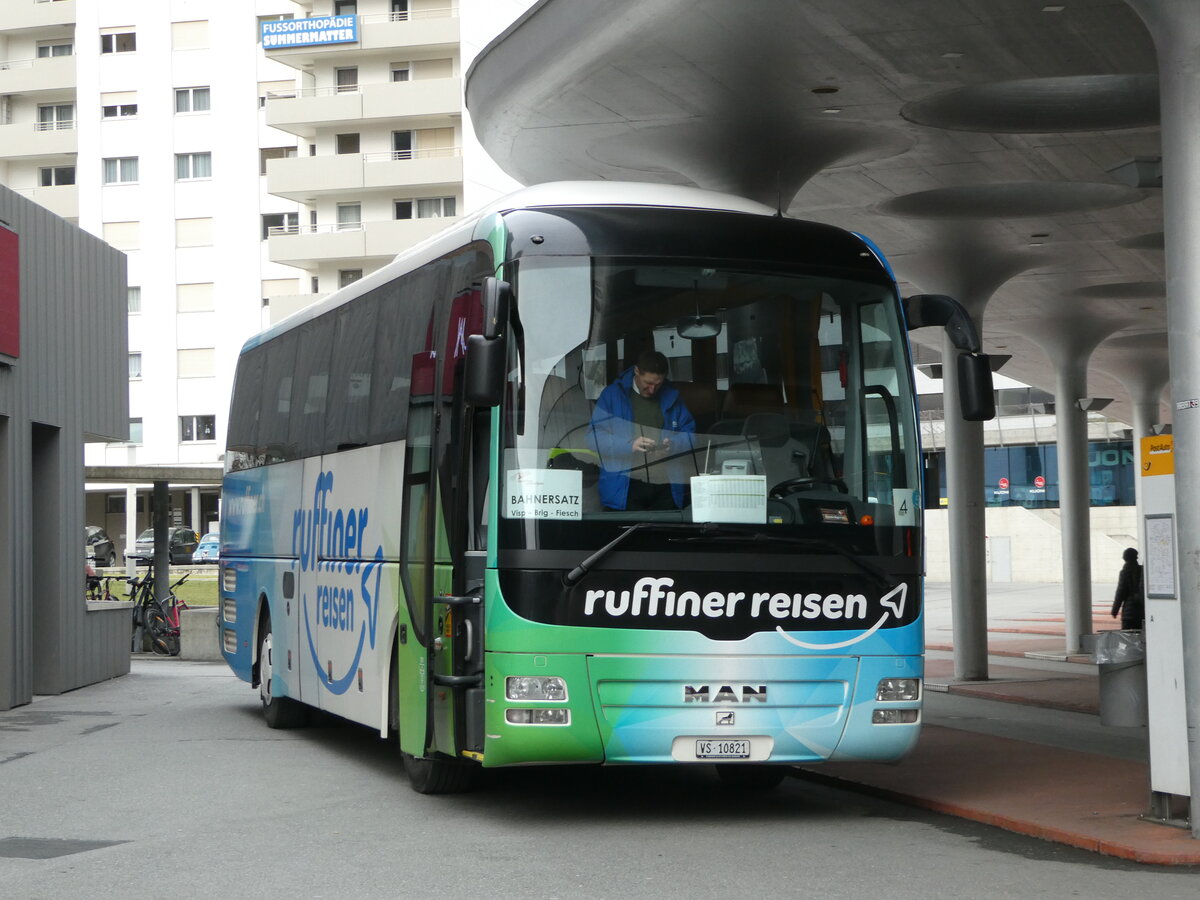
<point x="61" y="125"/>
<point x="338" y="227"/>
<point x="308" y="93"/>
<point x="441" y="13"/>
<point x="427" y="153"/>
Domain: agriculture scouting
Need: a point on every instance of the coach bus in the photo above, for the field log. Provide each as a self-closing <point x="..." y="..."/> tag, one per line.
<point x="419" y="527"/>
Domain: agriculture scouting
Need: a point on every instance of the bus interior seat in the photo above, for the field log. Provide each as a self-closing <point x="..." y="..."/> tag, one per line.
<point x="564" y="419"/>
<point x="700" y="400"/>
<point x="785" y="454"/>
<point x="743" y="400"/>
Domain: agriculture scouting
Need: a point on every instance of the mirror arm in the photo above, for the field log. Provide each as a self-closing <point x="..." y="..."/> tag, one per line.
<point x="921" y="310"/>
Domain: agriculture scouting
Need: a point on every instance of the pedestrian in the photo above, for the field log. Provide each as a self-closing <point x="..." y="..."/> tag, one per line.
<point x="1128" y="600"/>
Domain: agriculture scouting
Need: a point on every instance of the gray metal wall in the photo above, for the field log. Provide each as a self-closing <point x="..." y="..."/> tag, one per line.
<point x="69" y="385"/>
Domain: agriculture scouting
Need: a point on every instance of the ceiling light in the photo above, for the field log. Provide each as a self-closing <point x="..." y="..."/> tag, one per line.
<point x="831" y="110"/>
<point x="1055" y="8"/>
<point x="952" y="54"/>
<point x="825" y="89"/>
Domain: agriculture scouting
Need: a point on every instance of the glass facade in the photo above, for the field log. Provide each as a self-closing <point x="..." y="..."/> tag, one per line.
<point x="1027" y="475"/>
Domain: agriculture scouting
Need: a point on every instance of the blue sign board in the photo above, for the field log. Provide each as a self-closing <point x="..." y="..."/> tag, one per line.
<point x="280" y="33"/>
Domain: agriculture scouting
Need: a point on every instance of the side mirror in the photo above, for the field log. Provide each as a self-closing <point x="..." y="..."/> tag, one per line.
<point x="483" y="383"/>
<point x="976" y="398"/>
<point x="496" y="297"/>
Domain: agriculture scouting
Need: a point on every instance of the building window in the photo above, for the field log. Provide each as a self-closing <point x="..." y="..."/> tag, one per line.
<point x="194" y="232"/>
<point x="314" y="283"/>
<point x="435" y="207"/>
<point x="349" y="216"/>
<point x="135" y="365"/>
<point x="265" y="153"/>
<point x="121" y="170"/>
<point x="346" y="143"/>
<point x="192" y="298"/>
<point x="193" y="99"/>
<point x="49" y="49"/>
<point x="56" y="116"/>
<point x="197" y="428"/>
<point x="402" y="144"/>
<point x="404" y="209"/>
<point x="52" y="176"/>
<point x="346" y="79"/>
<point x="287" y="223"/>
<point x="134" y="297"/>
<point x="345" y="7"/>
<point x="189" y="35"/>
<point x="348" y="276"/>
<point x="119" y="111"/>
<point x="399" y="11"/>
<point x="401" y="72"/>
<point x="118" y="42"/>
<point x="135" y="431"/>
<point x="190" y="166"/>
<point x="200" y="363"/>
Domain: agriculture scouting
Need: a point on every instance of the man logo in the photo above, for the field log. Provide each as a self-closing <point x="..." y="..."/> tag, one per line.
<point x="725" y="717"/>
<point x="725" y="693"/>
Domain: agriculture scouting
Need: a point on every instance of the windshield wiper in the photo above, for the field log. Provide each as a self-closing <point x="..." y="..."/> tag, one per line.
<point x="763" y="538"/>
<point x="706" y="528"/>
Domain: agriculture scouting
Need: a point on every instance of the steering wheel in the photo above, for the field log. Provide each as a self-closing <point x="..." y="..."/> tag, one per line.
<point x="803" y="483"/>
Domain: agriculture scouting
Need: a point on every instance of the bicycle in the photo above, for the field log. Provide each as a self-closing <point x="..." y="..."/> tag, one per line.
<point x="158" y="619"/>
<point x="98" y="587"/>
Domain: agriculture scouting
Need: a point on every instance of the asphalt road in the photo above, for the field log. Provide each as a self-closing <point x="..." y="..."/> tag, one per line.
<point x="166" y="783"/>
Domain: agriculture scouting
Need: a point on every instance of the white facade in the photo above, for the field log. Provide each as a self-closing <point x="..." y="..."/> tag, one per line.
<point x="242" y="183"/>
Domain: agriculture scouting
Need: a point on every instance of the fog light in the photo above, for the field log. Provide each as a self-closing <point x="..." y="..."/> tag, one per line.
<point x="894" y="716"/>
<point x="229" y="640"/>
<point x="898" y="689"/>
<point x="229" y="580"/>
<point x="535" y="687"/>
<point x="229" y="609"/>
<point x="537" y="716"/>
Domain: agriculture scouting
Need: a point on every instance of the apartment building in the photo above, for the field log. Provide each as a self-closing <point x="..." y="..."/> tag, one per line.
<point x="244" y="178"/>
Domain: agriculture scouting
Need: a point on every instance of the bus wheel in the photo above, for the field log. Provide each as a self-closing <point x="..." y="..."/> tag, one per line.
<point x="751" y="777"/>
<point x="280" y="712"/>
<point x="438" y="776"/>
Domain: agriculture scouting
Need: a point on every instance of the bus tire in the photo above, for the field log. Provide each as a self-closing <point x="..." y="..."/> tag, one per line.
<point x="279" y="712"/>
<point x="429" y="775"/>
<point x="751" y="777"/>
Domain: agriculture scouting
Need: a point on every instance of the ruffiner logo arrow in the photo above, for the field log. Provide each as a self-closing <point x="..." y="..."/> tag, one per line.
<point x="892" y="601"/>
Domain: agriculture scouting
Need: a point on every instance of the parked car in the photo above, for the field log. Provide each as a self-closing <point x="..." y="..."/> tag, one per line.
<point x="182" y="545"/>
<point x="209" y="548"/>
<point x="98" y="546"/>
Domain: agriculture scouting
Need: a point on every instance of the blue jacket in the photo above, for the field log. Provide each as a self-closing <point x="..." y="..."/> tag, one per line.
<point x="613" y="431"/>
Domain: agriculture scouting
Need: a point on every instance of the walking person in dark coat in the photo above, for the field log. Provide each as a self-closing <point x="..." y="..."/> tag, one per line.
<point x="1128" y="600"/>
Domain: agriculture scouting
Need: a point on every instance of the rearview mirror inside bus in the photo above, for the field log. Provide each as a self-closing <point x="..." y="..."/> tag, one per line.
<point x="975" y="395"/>
<point x="484" y="379"/>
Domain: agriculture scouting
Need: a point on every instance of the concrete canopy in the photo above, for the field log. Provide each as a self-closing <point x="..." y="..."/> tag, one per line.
<point x="1010" y="145"/>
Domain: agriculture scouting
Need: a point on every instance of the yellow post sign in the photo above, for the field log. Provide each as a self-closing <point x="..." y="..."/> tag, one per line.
<point x="1158" y="455"/>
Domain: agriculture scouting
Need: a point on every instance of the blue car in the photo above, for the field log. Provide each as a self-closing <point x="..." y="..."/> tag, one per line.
<point x="209" y="549"/>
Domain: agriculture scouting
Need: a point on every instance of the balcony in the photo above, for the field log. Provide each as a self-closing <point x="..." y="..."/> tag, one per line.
<point x="302" y="178"/>
<point x="309" y="246"/>
<point x="29" y="76"/>
<point x="62" y="200"/>
<point x="303" y="112"/>
<point x="29" y="15"/>
<point x="28" y="139"/>
<point x="424" y="29"/>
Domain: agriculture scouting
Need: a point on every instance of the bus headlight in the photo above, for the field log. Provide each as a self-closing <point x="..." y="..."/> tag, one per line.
<point x="894" y="716"/>
<point x="535" y="687"/>
<point x="537" y="716"/>
<point x="898" y="689"/>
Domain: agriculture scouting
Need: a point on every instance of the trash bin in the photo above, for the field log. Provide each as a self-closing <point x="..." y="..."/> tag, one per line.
<point x="1121" y="656"/>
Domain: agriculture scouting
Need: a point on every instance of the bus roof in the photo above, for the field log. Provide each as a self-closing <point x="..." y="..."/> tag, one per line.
<point x="550" y="194"/>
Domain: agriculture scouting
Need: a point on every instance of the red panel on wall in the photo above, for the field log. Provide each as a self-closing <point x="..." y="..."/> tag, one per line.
<point x="10" y="294"/>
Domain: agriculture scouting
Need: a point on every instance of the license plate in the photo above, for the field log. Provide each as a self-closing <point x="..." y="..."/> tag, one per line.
<point x="722" y="749"/>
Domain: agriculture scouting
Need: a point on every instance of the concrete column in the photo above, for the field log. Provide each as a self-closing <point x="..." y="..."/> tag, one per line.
<point x="967" y="525"/>
<point x="197" y="518"/>
<point x="1176" y="31"/>
<point x="1074" y="497"/>
<point x="131" y="531"/>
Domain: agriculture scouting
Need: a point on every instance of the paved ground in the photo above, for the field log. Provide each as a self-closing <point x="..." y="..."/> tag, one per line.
<point x="1051" y="770"/>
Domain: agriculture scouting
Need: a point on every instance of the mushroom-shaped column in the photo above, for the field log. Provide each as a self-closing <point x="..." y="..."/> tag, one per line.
<point x="1069" y="342"/>
<point x="970" y="267"/>
<point x="1175" y="28"/>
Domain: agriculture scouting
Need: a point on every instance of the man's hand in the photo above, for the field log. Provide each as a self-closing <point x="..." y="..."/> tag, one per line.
<point x="643" y="444"/>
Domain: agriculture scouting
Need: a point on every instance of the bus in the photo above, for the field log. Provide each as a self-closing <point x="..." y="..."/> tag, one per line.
<point x="420" y="530"/>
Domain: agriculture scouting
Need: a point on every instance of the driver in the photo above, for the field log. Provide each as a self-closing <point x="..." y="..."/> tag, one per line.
<point x="640" y="419"/>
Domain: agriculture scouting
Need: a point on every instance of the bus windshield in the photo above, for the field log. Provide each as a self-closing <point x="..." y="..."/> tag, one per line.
<point x="774" y="401"/>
